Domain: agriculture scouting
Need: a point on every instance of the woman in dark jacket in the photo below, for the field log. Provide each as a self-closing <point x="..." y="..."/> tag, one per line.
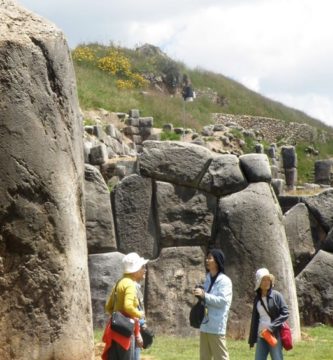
<point x="269" y="312"/>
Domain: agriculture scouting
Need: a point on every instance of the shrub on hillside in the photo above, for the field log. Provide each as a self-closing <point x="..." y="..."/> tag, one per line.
<point x="83" y="54"/>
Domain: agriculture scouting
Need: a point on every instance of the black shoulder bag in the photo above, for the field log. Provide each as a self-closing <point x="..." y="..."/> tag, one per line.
<point x="120" y="323"/>
<point x="199" y="310"/>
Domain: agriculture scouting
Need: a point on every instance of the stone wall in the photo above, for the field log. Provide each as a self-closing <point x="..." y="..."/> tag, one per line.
<point x="186" y="199"/>
<point x="273" y="129"/>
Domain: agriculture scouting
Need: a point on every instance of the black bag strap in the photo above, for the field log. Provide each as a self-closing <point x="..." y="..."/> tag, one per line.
<point x="264" y="306"/>
<point x="115" y="294"/>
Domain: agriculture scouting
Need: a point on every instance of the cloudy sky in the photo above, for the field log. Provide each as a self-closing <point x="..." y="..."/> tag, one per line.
<point x="282" y="49"/>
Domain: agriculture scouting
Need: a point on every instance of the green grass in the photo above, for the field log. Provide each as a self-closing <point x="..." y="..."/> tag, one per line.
<point x="97" y="89"/>
<point x="305" y="166"/>
<point x="317" y="344"/>
<point x="166" y="135"/>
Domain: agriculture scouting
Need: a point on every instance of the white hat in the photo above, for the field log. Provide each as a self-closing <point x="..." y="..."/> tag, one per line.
<point x="132" y="262"/>
<point x="260" y="274"/>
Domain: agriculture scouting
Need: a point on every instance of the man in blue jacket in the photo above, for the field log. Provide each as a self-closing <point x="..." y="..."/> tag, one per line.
<point x="217" y="294"/>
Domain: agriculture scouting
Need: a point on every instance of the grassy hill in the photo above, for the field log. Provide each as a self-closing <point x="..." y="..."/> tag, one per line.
<point x="118" y="79"/>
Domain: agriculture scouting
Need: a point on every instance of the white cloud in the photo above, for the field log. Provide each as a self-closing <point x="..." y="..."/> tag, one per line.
<point x="317" y="106"/>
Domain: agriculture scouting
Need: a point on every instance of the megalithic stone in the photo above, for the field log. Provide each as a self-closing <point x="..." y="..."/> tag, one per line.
<point x="248" y="247"/>
<point x="45" y="310"/>
<point x="289" y="156"/>
<point x="324" y="172"/>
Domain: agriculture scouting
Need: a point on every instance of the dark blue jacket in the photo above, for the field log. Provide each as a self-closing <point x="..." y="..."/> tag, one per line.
<point x="277" y="309"/>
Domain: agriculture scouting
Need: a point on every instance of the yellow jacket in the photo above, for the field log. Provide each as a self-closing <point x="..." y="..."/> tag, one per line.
<point x="127" y="300"/>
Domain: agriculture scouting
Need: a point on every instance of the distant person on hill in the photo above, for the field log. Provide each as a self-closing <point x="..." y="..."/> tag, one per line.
<point x="217" y="294"/>
<point x="124" y="298"/>
<point x="187" y="90"/>
<point x="269" y="312"/>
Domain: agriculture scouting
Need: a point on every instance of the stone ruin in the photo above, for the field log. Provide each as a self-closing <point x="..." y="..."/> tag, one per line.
<point x="182" y="200"/>
<point x="174" y="202"/>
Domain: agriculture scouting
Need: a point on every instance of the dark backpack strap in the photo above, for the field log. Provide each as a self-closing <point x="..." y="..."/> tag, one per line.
<point x="115" y="294"/>
<point x="264" y="306"/>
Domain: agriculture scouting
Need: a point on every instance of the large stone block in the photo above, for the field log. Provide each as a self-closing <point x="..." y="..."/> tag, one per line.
<point x="289" y="156"/>
<point x="185" y="215"/>
<point x="45" y="308"/>
<point x="256" y="167"/>
<point x="324" y="172"/>
<point x="321" y="207"/>
<point x="180" y="268"/>
<point x="223" y="176"/>
<point x="315" y="290"/>
<point x="99" y="217"/>
<point x="104" y="271"/>
<point x="135" y="216"/>
<point x="298" y="230"/>
<point x="176" y="162"/>
<point x="250" y="231"/>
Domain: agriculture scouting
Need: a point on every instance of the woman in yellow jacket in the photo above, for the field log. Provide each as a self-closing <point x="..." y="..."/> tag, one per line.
<point x="117" y="346"/>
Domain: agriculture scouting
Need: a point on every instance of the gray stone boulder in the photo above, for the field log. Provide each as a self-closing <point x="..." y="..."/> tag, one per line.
<point x="223" y="176"/>
<point x="98" y="154"/>
<point x="289" y="156"/>
<point x="99" y="217"/>
<point x="104" y="271"/>
<point x="250" y="231"/>
<point x="328" y="242"/>
<point x="315" y="290"/>
<point x="298" y="230"/>
<point x="278" y="186"/>
<point x="259" y="148"/>
<point x="44" y="284"/>
<point x="324" y="172"/>
<point x="321" y="207"/>
<point x="290" y="175"/>
<point x="256" y="167"/>
<point x="169" y="301"/>
<point x="185" y="215"/>
<point x="176" y="162"/>
<point x="134" y="216"/>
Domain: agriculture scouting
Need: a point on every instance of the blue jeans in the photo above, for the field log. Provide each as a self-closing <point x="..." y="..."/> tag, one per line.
<point x="137" y="352"/>
<point x="263" y="349"/>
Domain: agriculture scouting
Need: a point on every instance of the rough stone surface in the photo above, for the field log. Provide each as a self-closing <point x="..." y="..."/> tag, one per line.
<point x="185" y="215"/>
<point x="298" y="230"/>
<point x="99" y="217"/>
<point x="256" y="167"/>
<point x="176" y="162"/>
<point x="315" y="290"/>
<point x="248" y="247"/>
<point x="181" y="268"/>
<point x="324" y="172"/>
<point x="328" y="242"/>
<point x="321" y="206"/>
<point x="289" y="157"/>
<point x="133" y="211"/>
<point x="223" y="176"/>
<point x="104" y="271"/>
<point x="44" y="285"/>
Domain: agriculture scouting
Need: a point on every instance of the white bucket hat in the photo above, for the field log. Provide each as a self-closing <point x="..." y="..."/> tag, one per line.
<point x="260" y="274"/>
<point x="132" y="262"/>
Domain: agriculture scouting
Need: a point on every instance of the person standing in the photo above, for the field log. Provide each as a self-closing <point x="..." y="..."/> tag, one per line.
<point x="142" y="321"/>
<point x="269" y="312"/>
<point x="217" y="294"/>
<point x="124" y="298"/>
